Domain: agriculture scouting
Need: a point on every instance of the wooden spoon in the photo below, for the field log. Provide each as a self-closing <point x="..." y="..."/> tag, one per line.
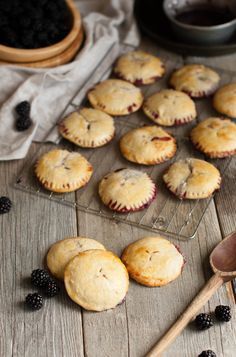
<point x="223" y="264"/>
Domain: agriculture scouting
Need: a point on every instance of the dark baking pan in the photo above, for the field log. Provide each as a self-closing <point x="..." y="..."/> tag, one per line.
<point x="153" y="23"/>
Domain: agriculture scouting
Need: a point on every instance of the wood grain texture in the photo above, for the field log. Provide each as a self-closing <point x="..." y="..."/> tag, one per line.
<point x="61" y="328"/>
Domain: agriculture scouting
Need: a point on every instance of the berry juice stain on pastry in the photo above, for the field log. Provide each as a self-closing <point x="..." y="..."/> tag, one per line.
<point x="63" y="171"/>
<point x="170" y="107"/>
<point x="139" y="68"/>
<point x="148" y="145"/>
<point x="127" y="190"/>
<point x="196" y="80"/>
<point x="116" y="97"/>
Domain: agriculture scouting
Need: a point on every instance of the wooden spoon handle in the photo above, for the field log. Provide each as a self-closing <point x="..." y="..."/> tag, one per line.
<point x="204" y="295"/>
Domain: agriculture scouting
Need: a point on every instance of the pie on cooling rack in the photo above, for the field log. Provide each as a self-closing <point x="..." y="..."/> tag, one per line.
<point x="215" y="137"/>
<point x="148" y="145"/>
<point x="170" y="107"/>
<point x="127" y="190"/>
<point x="192" y="178"/>
<point x="116" y="97"/>
<point x="195" y="80"/>
<point x="224" y="100"/>
<point x="89" y="128"/>
<point x="63" y="171"/>
<point x="139" y="67"/>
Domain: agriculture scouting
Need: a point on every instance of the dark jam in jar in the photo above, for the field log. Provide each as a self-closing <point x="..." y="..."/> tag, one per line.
<point x="205" y="16"/>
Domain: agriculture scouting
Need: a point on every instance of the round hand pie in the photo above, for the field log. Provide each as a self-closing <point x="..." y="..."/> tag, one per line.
<point x="215" y="137"/>
<point x="116" y="97"/>
<point x="195" y="80"/>
<point x="139" y="68"/>
<point x="170" y="107"/>
<point x="153" y="261"/>
<point x="127" y="190"/>
<point x="192" y="178"/>
<point x="61" y="252"/>
<point x="63" y="171"/>
<point x="88" y="128"/>
<point x="149" y="145"/>
<point x="224" y="100"/>
<point x="97" y="280"/>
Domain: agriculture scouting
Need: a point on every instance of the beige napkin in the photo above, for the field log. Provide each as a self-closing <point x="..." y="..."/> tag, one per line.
<point x="49" y="91"/>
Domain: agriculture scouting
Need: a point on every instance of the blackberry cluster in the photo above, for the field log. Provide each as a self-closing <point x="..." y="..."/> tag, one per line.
<point x="41" y="279"/>
<point x="222" y="313"/>
<point x="5" y="205"/>
<point x="33" y="24"/>
<point x="207" y="353"/>
<point x="203" y="321"/>
<point x="23" y="121"/>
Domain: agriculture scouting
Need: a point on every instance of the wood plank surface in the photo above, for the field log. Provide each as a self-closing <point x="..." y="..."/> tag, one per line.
<point x="62" y="328"/>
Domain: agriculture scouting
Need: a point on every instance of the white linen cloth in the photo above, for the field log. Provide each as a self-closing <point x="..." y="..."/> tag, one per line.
<point x="105" y="22"/>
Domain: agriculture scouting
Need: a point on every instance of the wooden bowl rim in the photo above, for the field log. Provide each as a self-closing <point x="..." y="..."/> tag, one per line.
<point x="45" y="50"/>
<point x="52" y="62"/>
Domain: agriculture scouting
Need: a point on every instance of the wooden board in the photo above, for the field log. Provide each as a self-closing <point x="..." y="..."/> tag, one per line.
<point x="61" y="328"/>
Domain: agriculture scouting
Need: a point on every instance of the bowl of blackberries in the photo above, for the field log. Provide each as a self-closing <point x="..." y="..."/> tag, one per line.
<point x="35" y="30"/>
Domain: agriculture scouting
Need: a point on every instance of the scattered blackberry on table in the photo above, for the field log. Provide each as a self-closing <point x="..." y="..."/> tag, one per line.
<point x="34" y="301"/>
<point x="51" y="288"/>
<point x="5" y="205"/>
<point x="23" y="108"/>
<point x="203" y="321"/>
<point x="39" y="277"/>
<point x="23" y="123"/>
<point x="207" y="353"/>
<point x="223" y="313"/>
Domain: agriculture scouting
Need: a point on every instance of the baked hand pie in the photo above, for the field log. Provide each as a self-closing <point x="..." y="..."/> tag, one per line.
<point x="61" y="252"/>
<point x="195" y="80"/>
<point x="63" y="171"/>
<point x="192" y="179"/>
<point x="148" y="145"/>
<point x="224" y="100"/>
<point x="88" y="128"/>
<point x="153" y="261"/>
<point x="116" y="97"/>
<point x="170" y="107"/>
<point x="139" y="68"/>
<point x="127" y="190"/>
<point x="97" y="280"/>
<point x="215" y="137"/>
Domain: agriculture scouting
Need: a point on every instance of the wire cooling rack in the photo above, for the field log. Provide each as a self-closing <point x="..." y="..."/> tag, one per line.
<point x="167" y="214"/>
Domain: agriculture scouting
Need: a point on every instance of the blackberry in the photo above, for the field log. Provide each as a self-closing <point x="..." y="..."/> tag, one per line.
<point x="23" y="108"/>
<point x="34" y="301"/>
<point x="222" y="313"/>
<point x="207" y="353"/>
<point x="5" y="205"/>
<point x="39" y="277"/>
<point x="23" y="123"/>
<point x="203" y="321"/>
<point x="51" y="288"/>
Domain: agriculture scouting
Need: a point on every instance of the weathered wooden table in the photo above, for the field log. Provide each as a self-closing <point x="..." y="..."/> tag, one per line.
<point x="62" y="328"/>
